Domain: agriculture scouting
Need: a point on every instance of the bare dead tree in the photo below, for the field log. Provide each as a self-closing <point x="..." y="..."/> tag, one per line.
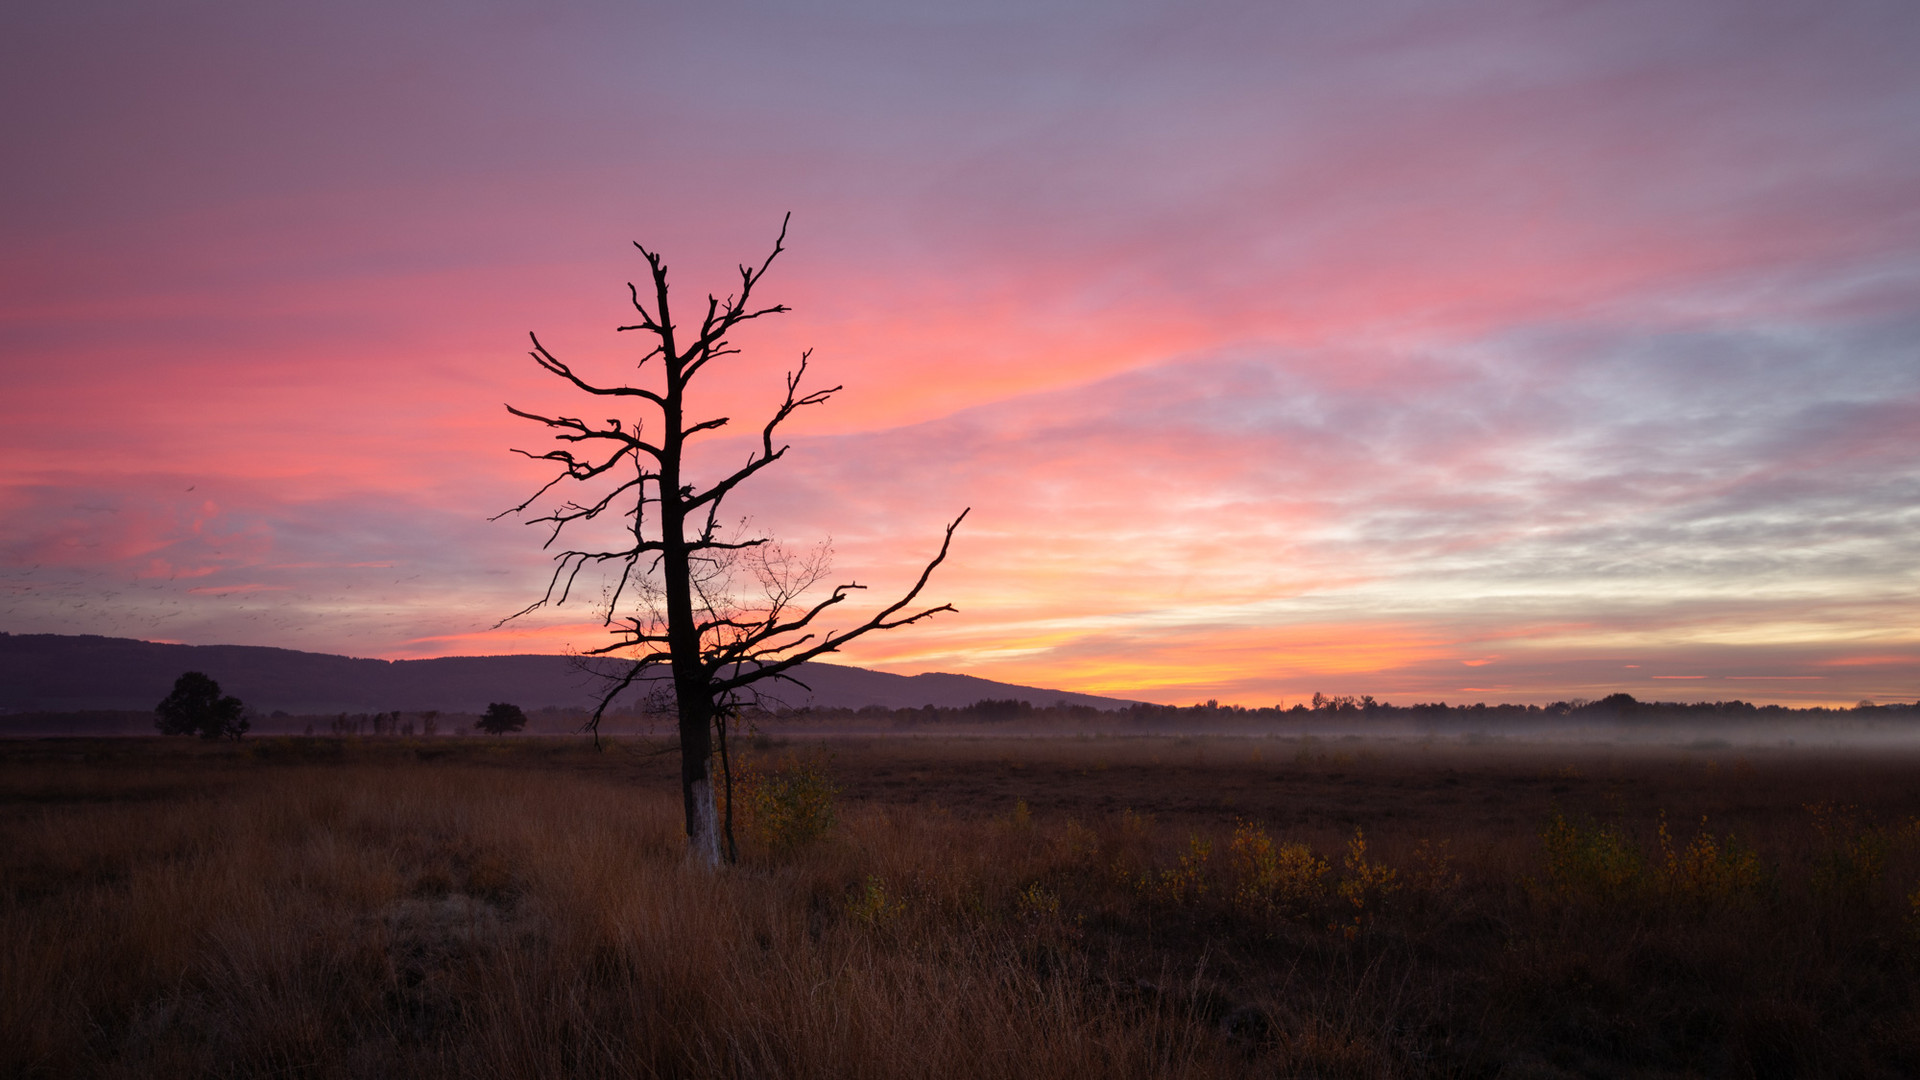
<point x="671" y="560"/>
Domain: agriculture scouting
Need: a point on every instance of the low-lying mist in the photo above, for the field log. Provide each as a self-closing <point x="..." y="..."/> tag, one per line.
<point x="1616" y="720"/>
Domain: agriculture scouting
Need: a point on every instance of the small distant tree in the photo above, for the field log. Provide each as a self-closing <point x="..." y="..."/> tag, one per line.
<point x="502" y="718"/>
<point x="196" y="707"/>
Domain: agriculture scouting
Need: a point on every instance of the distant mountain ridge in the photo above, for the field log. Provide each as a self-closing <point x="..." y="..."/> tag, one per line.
<point x="65" y="673"/>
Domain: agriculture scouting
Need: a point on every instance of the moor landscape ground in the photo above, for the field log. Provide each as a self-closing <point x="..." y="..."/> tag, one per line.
<point x="1060" y="907"/>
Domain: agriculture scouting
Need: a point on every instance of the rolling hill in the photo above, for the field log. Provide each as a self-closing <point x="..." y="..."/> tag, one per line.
<point x="65" y="673"/>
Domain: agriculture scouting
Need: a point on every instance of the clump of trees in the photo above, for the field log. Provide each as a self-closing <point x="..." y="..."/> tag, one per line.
<point x="196" y="707"/>
<point x="501" y="719"/>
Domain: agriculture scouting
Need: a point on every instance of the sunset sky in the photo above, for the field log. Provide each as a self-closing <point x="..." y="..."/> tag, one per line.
<point x="1437" y="351"/>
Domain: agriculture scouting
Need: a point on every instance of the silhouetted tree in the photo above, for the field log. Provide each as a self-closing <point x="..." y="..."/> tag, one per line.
<point x="196" y="707"/>
<point x="501" y="718"/>
<point x="672" y="559"/>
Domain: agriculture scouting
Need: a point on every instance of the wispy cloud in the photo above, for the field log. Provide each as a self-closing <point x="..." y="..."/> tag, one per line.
<point x="1427" y="347"/>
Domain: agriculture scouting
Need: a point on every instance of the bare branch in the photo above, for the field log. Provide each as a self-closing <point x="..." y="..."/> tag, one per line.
<point x="884" y="620"/>
<point x="547" y="360"/>
<point x="646" y="318"/>
<point x="619" y="685"/>
<point x="768" y="455"/>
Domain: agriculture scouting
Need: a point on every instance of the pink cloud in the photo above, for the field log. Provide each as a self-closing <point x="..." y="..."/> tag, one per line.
<point x="1267" y="344"/>
<point x="230" y="590"/>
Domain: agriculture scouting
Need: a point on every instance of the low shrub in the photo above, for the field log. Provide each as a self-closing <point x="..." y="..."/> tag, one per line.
<point x="1853" y="857"/>
<point x="1708" y="868"/>
<point x="1270" y="877"/>
<point x="785" y="807"/>
<point x="1588" y="861"/>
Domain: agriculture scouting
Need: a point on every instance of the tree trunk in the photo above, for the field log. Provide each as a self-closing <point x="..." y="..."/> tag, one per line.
<point x="696" y="777"/>
<point x="692" y="693"/>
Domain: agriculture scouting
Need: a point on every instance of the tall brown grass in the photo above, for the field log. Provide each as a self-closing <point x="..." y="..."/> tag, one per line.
<point x="484" y="910"/>
<point x="380" y="920"/>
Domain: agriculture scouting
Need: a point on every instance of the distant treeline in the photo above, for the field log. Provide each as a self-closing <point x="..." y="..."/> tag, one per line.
<point x="1614" y="708"/>
<point x="394" y="723"/>
<point x="1358" y="712"/>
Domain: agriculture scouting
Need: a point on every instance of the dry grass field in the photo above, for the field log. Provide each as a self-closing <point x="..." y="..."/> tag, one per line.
<point x="958" y="907"/>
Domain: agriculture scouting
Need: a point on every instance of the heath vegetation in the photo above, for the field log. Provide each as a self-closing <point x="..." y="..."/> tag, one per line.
<point x="1018" y="908"/>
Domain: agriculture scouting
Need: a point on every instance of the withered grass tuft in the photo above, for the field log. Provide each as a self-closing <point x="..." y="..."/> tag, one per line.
<point x="504" y="909"/>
